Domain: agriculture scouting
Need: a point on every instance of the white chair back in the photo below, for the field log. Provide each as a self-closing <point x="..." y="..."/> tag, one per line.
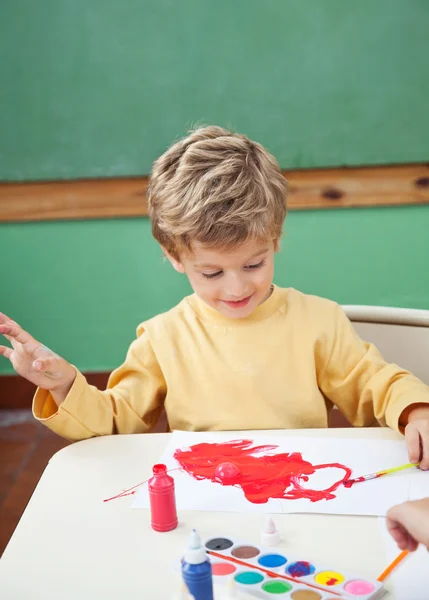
<point x="401" y="335"/>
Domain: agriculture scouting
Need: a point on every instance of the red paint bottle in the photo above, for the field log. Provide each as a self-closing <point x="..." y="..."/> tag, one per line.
<point x="162" y="500"/>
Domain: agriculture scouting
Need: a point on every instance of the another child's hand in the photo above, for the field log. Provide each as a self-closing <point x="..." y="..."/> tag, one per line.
<point x="417" y="435"/>
<point x="408" y="524"/>
<point x="35" y="362"/>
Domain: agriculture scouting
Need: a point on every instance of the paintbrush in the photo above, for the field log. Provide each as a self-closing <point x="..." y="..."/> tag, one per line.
<point x="393" y="565"/>
<point x="377" y="474"/>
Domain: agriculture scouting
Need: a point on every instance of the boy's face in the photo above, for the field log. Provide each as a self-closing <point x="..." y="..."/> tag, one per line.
<point x="233" y="282"/>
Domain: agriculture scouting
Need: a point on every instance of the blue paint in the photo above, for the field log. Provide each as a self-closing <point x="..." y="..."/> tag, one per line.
<point x="300" y="568"/>
<point x="197" y="570"/>
<point x="272" y="560"/>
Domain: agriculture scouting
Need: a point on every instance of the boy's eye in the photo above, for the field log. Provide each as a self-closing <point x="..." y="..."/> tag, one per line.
<point x="248" y="267"/>
<point x="257" y="265"/>
<point x="211" y="275"/>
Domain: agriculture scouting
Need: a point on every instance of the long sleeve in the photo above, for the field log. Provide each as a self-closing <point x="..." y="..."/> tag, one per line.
<point x="356" y="378"/>
<point x="131" y="403"/>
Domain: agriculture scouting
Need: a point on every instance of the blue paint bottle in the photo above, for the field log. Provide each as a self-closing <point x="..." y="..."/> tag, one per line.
<point x="197" y="570"/>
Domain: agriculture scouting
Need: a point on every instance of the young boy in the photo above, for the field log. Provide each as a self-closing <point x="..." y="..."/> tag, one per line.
<point x="240" y="353"/>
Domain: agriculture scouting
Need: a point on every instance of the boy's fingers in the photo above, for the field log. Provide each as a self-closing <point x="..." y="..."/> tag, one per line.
<point x="49" y="366"/>
<point x="6" y="352"/>
<point x="424" y="463"/>
<point x="412" y="437"/>
<point x="424" y="435"/>
<point x="42" y="364"/>
<point x="6" y="321"/>
<point x="13" y="330"/>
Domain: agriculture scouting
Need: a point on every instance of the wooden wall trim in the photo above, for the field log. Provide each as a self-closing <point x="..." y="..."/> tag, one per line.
<point x="308" y="189"/>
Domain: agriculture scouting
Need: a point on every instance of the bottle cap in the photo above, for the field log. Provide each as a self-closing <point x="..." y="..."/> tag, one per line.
<point x="269" y="535"/>
<point x="195" y="553"/>
<point x="159" y="469"/>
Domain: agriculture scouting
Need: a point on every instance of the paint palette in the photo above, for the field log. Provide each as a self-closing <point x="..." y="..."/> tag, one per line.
<point x="269" y="573"/>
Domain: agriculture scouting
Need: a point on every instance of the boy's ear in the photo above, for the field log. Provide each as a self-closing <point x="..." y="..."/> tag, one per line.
<point x="177" y="265"/>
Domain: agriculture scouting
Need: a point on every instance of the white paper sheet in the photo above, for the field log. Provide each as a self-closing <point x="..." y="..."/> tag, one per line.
<point x="410" y="579"/>
<point x="362" y="456"/>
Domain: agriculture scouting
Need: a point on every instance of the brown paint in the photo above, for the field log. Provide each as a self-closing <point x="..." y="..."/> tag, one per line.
<point x="245" y="552"/>
<point x="305" y="595"/>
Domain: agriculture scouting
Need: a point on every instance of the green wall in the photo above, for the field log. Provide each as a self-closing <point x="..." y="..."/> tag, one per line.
<point x="99" y="88"/>
<point x="82" y="287"/>
<point x="95" y="88"/>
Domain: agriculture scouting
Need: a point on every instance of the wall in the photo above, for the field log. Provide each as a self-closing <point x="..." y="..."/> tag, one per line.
<point x="82" y="287"/>
<point x="100" y="88"/>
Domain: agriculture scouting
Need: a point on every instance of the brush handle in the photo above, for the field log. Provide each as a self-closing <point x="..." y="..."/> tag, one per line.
<point x="396" y="469"/>
<point x="351" y="482"/>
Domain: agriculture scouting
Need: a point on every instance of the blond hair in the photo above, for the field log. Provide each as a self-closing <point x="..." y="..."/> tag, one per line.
<point x="218" y="188"/>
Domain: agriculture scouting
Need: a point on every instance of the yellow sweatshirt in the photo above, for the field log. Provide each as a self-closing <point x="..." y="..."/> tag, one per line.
<point x="282" y="367"/>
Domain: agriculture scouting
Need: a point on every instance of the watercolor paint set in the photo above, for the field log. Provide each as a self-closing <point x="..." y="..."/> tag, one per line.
<point x="272" y="573"/>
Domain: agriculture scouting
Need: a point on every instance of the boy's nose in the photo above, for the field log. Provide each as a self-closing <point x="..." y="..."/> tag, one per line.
<point x="235" y="288"/>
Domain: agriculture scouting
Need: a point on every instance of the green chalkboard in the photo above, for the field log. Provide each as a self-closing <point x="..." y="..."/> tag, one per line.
<point x="92" y="88"/>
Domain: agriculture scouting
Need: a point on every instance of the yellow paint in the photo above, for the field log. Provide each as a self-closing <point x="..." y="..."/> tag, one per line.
<point x="329" y="578"/>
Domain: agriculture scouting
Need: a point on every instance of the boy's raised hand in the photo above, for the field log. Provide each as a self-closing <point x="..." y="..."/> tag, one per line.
<point x="35" y="362"/>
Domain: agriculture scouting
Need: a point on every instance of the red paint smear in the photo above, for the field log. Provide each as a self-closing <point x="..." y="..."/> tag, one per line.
<point x="351" y="482"/>
<point x="124" y="493"/>
<point x="132" y="490"/>
<point x="261" y="477"/>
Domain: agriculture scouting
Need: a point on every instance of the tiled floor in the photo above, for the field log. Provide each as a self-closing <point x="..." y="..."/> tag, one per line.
<point x="25" y="450"/>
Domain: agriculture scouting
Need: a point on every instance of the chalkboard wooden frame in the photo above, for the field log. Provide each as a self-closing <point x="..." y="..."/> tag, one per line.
<point x="394" y="185"/>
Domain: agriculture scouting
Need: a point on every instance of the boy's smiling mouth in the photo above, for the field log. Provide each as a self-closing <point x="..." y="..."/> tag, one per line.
<point x="238" y="303"/>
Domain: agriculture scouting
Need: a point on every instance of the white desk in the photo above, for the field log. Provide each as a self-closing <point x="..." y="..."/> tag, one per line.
<point x="70" y="545"/>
